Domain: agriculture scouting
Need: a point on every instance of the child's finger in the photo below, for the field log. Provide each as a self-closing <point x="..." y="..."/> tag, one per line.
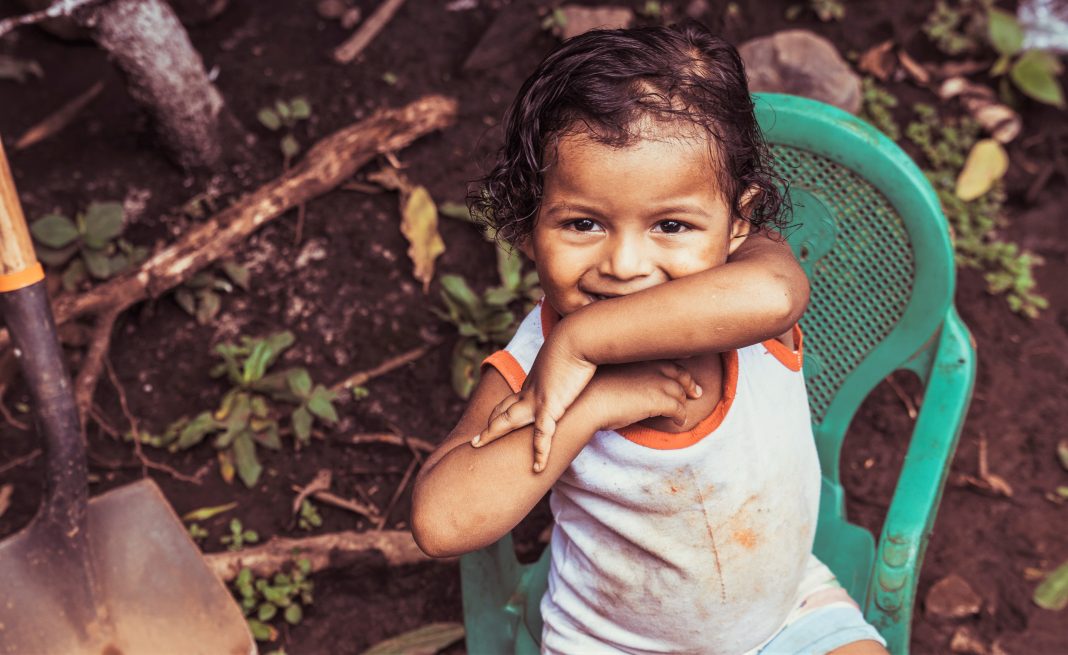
<point x="502" y="407"/>
<point x="543" y="440"/>
<point x="515" y="416"/>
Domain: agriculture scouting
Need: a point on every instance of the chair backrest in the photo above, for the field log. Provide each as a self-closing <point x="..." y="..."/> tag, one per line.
<point x="873" y="240"/>
<point x="875" y="244"/>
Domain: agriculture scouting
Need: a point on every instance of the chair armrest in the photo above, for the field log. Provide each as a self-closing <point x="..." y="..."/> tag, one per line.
<point x="909" y="520"/>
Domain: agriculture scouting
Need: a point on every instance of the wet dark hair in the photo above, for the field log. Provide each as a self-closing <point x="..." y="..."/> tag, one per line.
<point x="606" y="83"/>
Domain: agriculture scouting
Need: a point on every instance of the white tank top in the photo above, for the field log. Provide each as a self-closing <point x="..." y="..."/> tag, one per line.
<point x="683" y="543"/>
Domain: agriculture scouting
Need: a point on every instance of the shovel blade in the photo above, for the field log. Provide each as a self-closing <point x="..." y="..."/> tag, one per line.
<point x="154" y="594"/>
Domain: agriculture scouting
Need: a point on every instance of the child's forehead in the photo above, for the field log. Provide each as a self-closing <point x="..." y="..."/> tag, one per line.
<point x="582" y="139"/>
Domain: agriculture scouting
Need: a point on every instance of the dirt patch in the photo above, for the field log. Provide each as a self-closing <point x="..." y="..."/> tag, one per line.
<point x="347" y="292"/>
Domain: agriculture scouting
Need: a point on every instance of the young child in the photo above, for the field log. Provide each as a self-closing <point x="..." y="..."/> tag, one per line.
<point x="667" y="379"/>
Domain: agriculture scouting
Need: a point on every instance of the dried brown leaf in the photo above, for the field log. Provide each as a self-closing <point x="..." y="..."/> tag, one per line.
<point x="419" y="224"/>
<point x="878" y="60"/>
<point x="917" y="71"/>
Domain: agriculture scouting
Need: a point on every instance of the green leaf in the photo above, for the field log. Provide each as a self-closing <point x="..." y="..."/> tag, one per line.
<point x="209" y="306"/>
<point x="205" y="513"/>
<point x="427" y="639"/>
<point x="248" y="466"/>
<point x="455" y="210"/>
<point x="283" y="110"/>
<point x="276" y="385"/>
<point x="1052" y="594"/>
<point x="268" y="437"/>
<point x="269" y="119"/>
<point x="360" y="392"/>
<point x="266" y="611"/>
<point x="1004" y="32"/>
<point x="289" y="145"/>
<point x="300" y="108"/>
<point x="53" y="257"/>
<point x="498" y="322"/>
<point x="97" y="263"/>
<point x="103" y="222"/>
<point x="302" y="423"/>
<point x="466" y="359"/>
<point x="195" y="431"/>
<point x="499" y="296"/>
<point x="74" y="275"/>
<point x="54" y="231"/>
<point x="456" y="288"/>
<point x="237" y="273"/>
<point x="260" y="631"/>
<point x="1034" y="74"/>
<point x="264" y="353"/>
<point x="321" y="404"/>
<point x="509" y="267"/>
<point x="293" y="614"/>
<point x="300" y="383"/>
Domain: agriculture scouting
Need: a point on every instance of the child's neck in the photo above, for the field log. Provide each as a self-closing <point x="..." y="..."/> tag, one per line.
<point x="707" y="371"/>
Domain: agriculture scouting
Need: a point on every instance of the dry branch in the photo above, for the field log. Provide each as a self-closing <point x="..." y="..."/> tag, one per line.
<point x="391" y="439"/>
<point x="355" y="44"/>
<point x="361" y="377"/>
<point x="327" y="164"/>
<point x="336" y="550"/>
<point x="55" y="10"/>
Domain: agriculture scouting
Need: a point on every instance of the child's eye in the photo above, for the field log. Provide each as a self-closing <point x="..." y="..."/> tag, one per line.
<point x="672" y="227"/>
<point x="583" y="225"/>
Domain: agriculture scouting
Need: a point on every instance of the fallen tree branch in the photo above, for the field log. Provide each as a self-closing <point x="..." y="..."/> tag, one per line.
<point x="328" y="163"/>
<point x="55" y="10"/>
<point x="93" y="365"/>
<point x="336" y="550"/>
<point x="361" y="377"/>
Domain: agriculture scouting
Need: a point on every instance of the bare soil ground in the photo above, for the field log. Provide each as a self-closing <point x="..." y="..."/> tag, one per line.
<point x="347" y="292"/>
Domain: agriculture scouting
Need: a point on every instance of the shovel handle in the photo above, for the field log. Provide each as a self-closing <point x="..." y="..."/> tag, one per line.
<point x="18" y="263"/>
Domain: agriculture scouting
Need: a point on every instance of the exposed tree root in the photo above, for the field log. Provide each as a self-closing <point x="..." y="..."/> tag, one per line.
<point x="327" y="165"/>
<point x="362" y="377"/>
<point x="336" y="550"/>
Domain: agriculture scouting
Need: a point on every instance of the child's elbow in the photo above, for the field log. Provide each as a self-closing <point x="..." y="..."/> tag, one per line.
<point x="787" y="295"/>
<point x="431" y="532"/>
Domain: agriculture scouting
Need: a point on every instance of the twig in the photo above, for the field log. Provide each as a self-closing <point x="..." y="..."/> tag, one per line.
<point x="910" y="404"/>
<point x="8" y="416"/>
<point x="391" y="439"/>
<point x="85" y="384"/>
<point x="356" y="379"/>
<point x="321" y="482"/>
<point x="370" y="28"/>
<point x="58" y="119"/>
<point x="19" y="461"/>
<point x="129" y="417"/>
<point x="353" y="506"/>
<point x="325" y="551"/>
<point x="300" y="225"/>
<point x="381" y="522"/>
<point x="55" y="10"/>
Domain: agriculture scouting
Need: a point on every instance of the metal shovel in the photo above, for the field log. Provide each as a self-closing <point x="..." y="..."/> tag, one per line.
<point x="117" y="575"/>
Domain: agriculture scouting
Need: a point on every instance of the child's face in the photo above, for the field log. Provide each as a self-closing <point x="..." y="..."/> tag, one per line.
<point x="618" y="220"/>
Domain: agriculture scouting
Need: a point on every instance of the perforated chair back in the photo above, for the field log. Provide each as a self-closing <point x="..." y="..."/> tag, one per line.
<point x="873" y="240"/>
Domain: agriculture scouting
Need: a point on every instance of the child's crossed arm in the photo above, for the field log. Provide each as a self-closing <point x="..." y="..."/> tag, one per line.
<point x="760" y="293"/>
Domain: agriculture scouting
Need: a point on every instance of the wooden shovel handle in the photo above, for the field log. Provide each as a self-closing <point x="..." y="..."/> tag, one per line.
<point x="18" y="262"/>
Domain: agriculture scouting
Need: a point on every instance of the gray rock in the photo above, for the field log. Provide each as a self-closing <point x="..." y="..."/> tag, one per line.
<point x="952" y="598"/>
<point x="801" y="63"/>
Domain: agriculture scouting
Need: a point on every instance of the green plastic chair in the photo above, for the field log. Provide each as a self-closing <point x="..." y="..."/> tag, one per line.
<point x="876" y="248"/>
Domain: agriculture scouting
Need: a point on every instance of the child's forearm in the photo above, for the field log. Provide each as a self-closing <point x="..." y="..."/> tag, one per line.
<point x="471" y="497"/>
<point x="727" y="307"/>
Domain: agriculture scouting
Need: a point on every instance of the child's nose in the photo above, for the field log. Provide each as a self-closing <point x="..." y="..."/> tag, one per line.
<point x="626" y="259"/>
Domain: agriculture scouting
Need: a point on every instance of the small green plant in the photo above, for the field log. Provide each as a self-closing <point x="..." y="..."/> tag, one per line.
<point x="555" y="21"/>
<point x="652" y="9"/>
<point x="284" y="595"/>
<point x="239" y="536"/>
<point x="945" y="144"/>
<point x="245" y="417"/>
<point x="359" y="392"/>
<point x="1033" y="72"/>
<point x="91" y="245"/>
<point x="309" y="517"/>
<point x="958" y="27"/>
<point x="197" y="533"/>
<point x="200" y="298"/>
<point x="283" y="117"/>
<point x="485" y="322"/>
<point x="877" y="107"/>
<point x="828" y="10"/>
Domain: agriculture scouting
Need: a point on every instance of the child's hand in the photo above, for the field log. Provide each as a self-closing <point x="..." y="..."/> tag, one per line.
<point x="619" y="395"/>
<point x="555" y="381"/>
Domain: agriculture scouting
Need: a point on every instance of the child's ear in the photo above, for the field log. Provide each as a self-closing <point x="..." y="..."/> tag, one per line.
<point x="525" y="246"/>
<point x="740" y="224"/>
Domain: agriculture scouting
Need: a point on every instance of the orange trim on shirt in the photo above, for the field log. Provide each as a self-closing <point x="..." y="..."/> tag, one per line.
<point x="674" y="440"/>
<point x="792" y="359"/>
<point x="21" y="279"/>
<point x="506" y="363"/>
